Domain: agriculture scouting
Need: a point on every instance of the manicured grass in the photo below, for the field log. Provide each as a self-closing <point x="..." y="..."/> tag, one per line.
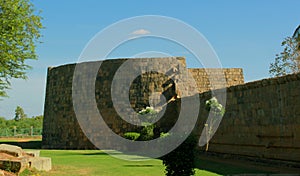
<point x="95" y="162"/>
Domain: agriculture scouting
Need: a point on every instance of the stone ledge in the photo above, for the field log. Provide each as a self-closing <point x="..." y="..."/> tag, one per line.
<point x="14" y="159"/>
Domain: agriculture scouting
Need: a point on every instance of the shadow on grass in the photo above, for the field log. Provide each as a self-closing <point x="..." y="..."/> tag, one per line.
<point x="225" y="169"/>
<point x="103" y="153"/>
<point x="26" y="145"/>
<point x="138" y="165"/>
<point x="96" y="153"/>
<point x="240" y="165"/>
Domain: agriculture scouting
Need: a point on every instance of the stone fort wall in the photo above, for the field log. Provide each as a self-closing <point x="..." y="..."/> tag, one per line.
<point x="61" y="129"/>
<point x="261" y="119"/>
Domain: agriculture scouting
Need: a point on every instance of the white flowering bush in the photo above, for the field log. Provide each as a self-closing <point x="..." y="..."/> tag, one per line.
<point x="217" y="110"/>
<point x="147" y="116"/>
<point x="214" y="106"/>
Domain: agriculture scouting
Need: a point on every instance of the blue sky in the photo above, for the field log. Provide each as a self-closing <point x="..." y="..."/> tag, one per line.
<point x="245" y="34"/>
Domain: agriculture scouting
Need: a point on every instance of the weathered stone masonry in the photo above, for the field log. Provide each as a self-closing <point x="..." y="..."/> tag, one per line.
<point x="261" y="119"/>
<point x="61" y="129"/>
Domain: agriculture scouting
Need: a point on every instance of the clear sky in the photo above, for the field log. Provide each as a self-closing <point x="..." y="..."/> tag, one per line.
<point x="245" y="34"/>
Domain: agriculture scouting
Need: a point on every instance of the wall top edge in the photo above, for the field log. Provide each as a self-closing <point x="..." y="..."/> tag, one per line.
<point x="181" y="58"/>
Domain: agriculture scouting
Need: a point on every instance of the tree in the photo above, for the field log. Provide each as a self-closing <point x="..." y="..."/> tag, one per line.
<point x="19" y="33"/>
<point x="218" y="111"/>
<point x="288" y="61"/>
<point x="181" y="161"/>
<point x="19" y="113"/>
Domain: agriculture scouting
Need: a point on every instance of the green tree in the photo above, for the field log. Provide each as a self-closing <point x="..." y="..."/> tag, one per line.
<point x="218" y="112"/>
<point x="19" y="33"/>
<point x="19" y="113"/>
<point x="288" y="61"/>
<point x="181" y="161"/>
<point x="2" y="122"/>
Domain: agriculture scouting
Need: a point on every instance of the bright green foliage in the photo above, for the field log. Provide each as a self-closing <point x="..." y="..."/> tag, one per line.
<point x="22" y="126"/>
<point x="288" y="61"/>
<point x="164" y="135"/>
<point x="132" y="135"/>
<point x="19" y="113"/>
<point x="19" y="33"/>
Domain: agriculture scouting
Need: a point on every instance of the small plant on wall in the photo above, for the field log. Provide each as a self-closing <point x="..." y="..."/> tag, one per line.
<point x="217" y="110"/>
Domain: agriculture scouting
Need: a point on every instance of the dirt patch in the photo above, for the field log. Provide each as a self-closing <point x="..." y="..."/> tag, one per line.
<point x="68" y="170"/>
<point x="19" y="139"/>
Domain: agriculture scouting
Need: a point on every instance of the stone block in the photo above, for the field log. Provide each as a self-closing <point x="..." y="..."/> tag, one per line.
<point x="11" y="150"/>
<point x="34" y="153"/>
<point x="40" y="163"/>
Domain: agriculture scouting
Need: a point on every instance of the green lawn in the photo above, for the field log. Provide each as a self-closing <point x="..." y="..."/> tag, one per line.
<point x="93" y="162"/>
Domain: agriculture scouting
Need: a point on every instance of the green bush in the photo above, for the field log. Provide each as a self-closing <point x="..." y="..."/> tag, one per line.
<point x="147" y="132"/>
<point x="132" y="135"/>
<point x="164" y="135"/>
<point x="181" y="161"/>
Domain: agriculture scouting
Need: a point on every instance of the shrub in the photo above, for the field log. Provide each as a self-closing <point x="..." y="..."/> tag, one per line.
<point x="181" y="160"/>
<point x="147" y="132"/>
<point x="164" y="135"/>
<point x="132" y="135"/>
<point x="148" y="115"/>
